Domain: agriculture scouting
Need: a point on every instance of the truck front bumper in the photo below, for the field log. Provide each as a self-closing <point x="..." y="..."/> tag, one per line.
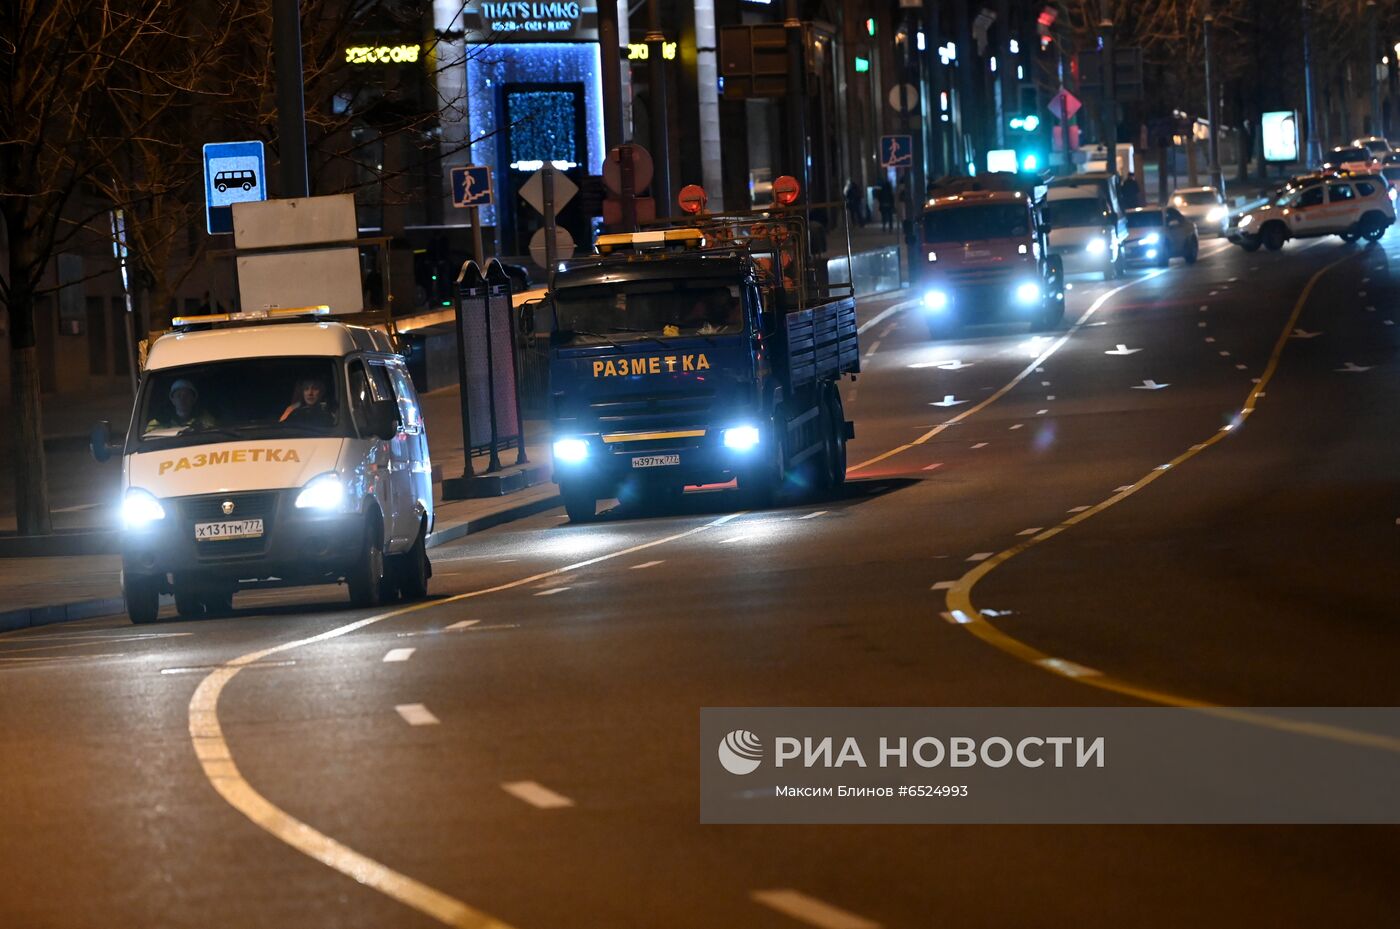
<point x="297" y="545"/>
<point x="673" y="457"/>
<point x="1018" y="297"/>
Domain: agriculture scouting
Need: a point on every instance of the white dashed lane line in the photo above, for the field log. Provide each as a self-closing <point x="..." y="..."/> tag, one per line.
<point x="647" y="564"/>
<point x="399" y="654"/>
<point x="463" y="624"/>
<point x="552" y="591"/>
<point x="416" y="714"/>
<point x="537" y="795"/>
<point x="811" y="911"/>
<point x="980" y="556"/>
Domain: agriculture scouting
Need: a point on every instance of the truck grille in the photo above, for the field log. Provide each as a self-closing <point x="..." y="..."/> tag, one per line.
<point x="982" y="277"/>
<point x="644" y="412"/>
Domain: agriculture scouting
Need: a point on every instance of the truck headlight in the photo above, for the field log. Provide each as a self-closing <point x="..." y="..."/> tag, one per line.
<point x="1096" y="246"/>
<point x="140" y="508"/>
<point x="1029" y="292"/>
<point x="936" y="299"/>
<point x="323" y="492"/>
<point x="1216" y="214"/>
<point x="570" y="451"/>
<point x="741" y="438"/>
<point x="1152" y="238"/>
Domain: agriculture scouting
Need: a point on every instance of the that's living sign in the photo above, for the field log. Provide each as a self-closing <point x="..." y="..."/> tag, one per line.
<point x="507" y="17"/>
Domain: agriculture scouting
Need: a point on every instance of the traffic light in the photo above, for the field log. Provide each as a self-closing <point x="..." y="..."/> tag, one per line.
<point x="1028" y="123"/>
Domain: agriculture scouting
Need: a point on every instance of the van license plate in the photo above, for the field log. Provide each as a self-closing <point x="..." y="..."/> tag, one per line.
<point x="655" y="461"/>
<point x="232" y="529"/>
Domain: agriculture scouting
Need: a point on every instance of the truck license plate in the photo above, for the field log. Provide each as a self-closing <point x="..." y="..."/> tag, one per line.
<point x="655" y="461"/>
<point x="232" y="529"/>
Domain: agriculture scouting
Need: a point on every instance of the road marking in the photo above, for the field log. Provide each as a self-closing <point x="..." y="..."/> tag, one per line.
<point x="1370" y="309"/>
<point x="464" y="624"/>
<point x="416" y="714"/>
<point x="1149" y="384"/>
<point x="948" y="400"/>
<point x="1076" y="509"/>
<point x="1122" y="487"/>
<point x="980" y="556"/>
<point x="1210" y="338"/>
<point x="1241" y="367"/>
<point x="77" y="509"/>
<point x="1389" y="322"/>
<point x="810" y="910"/>
<point x="552" y="591"/>
<point x="943" y="585"/>
<point x="1034" y="366"/>
<point x="737" y="538"/>
<point x="1049" y="396"/>
<point x="647" y="564"/>
<point x="936" y="464"/>
<point x="399" y="654"/>
<point x="885" y="314"/>
<point x="873" y="346"/>
<point x="1224" y="354"/>
<point x="1352" y="367"/>
<point x="536" y="795"/>
<point x="1123" y="350"/>
<point x="961" y="608"/>
<point x="1041" y="412"/>
<point x="980" y="445"/>
<point x="1201" y="325"/>
<point x="1031" y="531"/>
<point x="813" y="515"/>
<point x="1060" y="666"/>
<point x="888" y="329"/>
<point x="1017" y="426"/>
<point x="1304" y="334"/>
<point x="216" y="758"/>
<point x="1044" y="383"/>
<point x="1204" y="308"/>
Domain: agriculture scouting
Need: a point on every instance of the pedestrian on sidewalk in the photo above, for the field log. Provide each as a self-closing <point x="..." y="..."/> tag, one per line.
<point x="884" y="198"/>
<point x="853" y="206"/>
<point x="906" y="221"/>
<point x="1132" y="193"/>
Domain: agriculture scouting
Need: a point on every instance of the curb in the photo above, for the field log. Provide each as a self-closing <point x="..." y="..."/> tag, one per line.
<point x="108" y="606"/>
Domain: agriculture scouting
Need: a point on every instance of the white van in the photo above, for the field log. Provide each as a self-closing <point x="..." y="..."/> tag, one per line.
<point x="273" y="453"/>
<point x="1085" y="229"/>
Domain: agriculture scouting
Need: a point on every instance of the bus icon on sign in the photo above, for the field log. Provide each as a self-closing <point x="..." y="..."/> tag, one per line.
<point x="246" y="180"/>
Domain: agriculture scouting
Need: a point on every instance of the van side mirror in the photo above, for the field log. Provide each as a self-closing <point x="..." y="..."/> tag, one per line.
<point x="100" y="441"/>
<point x="382" y="419"/>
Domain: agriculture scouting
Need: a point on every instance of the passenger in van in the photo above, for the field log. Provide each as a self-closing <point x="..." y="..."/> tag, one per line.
<point x="185" y="410"/>
<point x="309" y="406"/>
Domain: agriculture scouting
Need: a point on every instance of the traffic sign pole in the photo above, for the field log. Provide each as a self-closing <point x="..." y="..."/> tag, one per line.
<point x="551" y="254"/>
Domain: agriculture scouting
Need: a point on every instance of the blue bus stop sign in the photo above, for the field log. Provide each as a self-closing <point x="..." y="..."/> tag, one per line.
<point x="234" y="172"/>
<point x="471" y="186"/>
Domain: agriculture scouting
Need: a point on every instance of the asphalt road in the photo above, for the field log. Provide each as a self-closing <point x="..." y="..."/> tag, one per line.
<point x="522" y="750"/>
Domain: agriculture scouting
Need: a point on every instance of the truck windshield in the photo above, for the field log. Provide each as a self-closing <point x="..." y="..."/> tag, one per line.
<point x="975" y="223"/>
<point x="637" y="310"/>
<point x="244" y="398"/>
<point x="1078" y="211"/>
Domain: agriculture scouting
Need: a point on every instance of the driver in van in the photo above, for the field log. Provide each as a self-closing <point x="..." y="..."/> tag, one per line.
<point x="309" y="406"/>
<point x="184" y="405"/>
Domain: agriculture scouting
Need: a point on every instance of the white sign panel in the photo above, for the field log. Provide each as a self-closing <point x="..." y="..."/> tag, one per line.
<point x="1280" y="135"/>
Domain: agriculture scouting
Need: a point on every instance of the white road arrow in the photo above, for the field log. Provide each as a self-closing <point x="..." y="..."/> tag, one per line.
<point x="948" y="400"/>
<point x="1354" y="368"/>
<point x="1304" y="334"/>
<point x="1122" y="350"/>
<point x="1149" y="385"/>
<point x="954" y="365"/>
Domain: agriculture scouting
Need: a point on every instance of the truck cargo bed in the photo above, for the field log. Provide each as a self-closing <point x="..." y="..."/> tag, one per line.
<point x="821" y="342"/>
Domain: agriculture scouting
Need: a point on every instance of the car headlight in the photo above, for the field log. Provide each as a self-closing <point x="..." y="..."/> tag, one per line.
<point x="1029" y="292"/>
<point x="1216" y="214"/>
<point x="936" y="299"/>
<point x="932" y="256"/>
<point x="741" y="438"/>
<point x="1245" y="220"/>
<point x="1152" y="238"/>
<point x="570" y="451"/>
<point x="1096" y="246"/>
<point x="140" y="508"/>
<point x="323" y="492"/>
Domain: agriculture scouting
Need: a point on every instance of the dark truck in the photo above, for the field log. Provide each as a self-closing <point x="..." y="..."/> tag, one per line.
<point x="699" y="355"/>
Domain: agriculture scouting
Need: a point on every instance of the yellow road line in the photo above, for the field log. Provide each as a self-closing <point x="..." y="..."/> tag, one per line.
<point x="1006" y="388"/>
<point x="216" y="758"/>
<point x="962" y="612"/>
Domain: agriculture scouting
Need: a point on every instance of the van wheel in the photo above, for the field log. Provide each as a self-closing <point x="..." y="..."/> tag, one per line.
<point x="366" y="578"/>
<point x="1272" y="237"/>
<point x="580" y="502"/>
<point x="188" y="603"/>
<point x="412" y="569"/>
<point x="1250" y="244"/>
<point x="142" y="595"/>
<point x="217" y="602"/>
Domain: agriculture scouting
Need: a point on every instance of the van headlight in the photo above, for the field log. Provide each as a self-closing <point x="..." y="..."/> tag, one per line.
<point x="570" y="451"/>
<point x="1029" y="292"/>
<point x="1152" y="238"/>
<point x="323" y="492"/>
<point x="1216" y="214"/>
<point x="936" y="299"/>
<point x="140" y="508"/>
<point x="1245" y="220"/>
<point x="1096" y="246"/>
<point x="741" y="438"/>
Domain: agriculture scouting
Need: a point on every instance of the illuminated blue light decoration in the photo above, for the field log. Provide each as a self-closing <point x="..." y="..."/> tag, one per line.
<point x="489" y="67"/>
<point x="544" y="129"/>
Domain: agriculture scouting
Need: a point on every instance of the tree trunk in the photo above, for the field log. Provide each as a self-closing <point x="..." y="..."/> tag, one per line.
<point x="31" y="479"/>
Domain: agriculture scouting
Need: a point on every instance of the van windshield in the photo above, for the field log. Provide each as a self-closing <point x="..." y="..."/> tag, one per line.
<point x="977" y="222"/>
<point x="1079" y="211"/>
<point x="632" y="311"/>
<point x="239" y="399"/>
